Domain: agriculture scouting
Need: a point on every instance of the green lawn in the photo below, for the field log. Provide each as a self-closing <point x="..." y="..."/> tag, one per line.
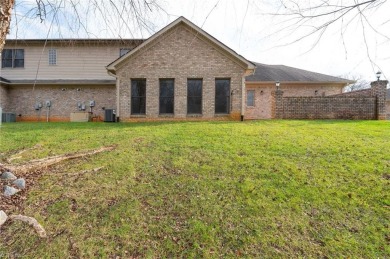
<point x="206" y="189"/>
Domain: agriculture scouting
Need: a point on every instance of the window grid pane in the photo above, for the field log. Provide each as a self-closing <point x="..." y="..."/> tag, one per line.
<point x="194" y="96"/>
<point x="250" y="98"/>
<point x="52" y="56"/>
<point x="12" y="58"/>
<point x="138" y="96"/>
<point x="6" y="58"/>
<point x="167" y="92"/>
<point x="222" y="96"/>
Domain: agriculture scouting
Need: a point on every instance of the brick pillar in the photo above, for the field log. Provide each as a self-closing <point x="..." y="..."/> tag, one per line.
<point x="378" y="90"/>
<point x="277" y="107"/>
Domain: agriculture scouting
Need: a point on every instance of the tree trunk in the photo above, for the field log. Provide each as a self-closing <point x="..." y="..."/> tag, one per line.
<point x="5" y="20"/>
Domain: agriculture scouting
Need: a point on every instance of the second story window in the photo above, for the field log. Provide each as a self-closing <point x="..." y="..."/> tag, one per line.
<point x="12" y="58"/>
<point x="52" y="57"/>
<point x="123" y="52"/>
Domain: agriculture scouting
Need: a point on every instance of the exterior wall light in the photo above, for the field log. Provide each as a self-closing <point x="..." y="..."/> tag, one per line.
<point x="277" y="85"/>
<point x="378" y="75"/>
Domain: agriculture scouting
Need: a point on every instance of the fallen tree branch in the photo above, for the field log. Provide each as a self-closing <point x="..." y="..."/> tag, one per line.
<point x="32" y="222"/>
<point x="21" y="152"/>
<point x="49" y="161"/>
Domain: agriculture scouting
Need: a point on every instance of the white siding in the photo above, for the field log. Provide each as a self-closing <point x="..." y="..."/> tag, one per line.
<point x="73" y="62"/>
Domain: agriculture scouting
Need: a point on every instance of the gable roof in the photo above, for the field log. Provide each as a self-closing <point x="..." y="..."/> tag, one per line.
<point x="111" y="67"/>
<point x="273" y="73"/>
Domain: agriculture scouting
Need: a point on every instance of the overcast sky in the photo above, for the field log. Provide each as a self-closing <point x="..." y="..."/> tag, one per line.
<point x="358" y="48"/>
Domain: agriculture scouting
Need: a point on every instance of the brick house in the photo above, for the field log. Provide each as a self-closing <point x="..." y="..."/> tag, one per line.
<point x="68" y="73"/>
<point x="181" y="72"/>
<point x="294" y="82"/>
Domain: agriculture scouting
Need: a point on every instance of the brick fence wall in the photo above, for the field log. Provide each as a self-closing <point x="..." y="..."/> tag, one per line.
<point x="365" y="104"/>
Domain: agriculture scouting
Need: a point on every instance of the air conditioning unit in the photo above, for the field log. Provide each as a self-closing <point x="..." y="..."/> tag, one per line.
<point x="109" y="115"/>
<point x="8" y="117"/>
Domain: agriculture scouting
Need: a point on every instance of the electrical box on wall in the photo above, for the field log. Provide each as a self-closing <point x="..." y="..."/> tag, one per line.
<point x="48" y="104"/>
<point x="38" y="106"/>
<point x="92" y="103"/>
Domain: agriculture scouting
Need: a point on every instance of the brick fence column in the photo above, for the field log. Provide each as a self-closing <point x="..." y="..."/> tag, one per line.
<point x="277" y="111"/>
<point x="378" y="90"/>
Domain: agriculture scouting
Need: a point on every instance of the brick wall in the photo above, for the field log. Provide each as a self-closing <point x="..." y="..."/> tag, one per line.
<point x="180" y="53"/>
<point x="359" y="108"/>
<point x="64" y="99"/>
<point x="264" y="101"/>
<point x="366" y="104"/>
<point x="357" y="93"/>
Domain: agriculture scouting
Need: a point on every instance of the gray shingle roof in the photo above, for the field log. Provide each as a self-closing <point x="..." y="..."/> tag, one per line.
<point x="267" y="73"/>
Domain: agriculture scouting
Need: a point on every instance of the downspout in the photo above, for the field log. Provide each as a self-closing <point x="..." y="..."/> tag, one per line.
<point x="243" y="91"/>
<point x="243" y="97"/>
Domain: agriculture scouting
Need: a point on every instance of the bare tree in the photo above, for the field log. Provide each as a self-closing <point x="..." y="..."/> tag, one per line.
<point x="74" y="15"/>
<point x="5" y="19"/>
<point x="362" y="20"/>
<point x="359" y="84"/>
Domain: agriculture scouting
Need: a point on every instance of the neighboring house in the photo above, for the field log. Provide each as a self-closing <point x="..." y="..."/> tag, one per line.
<point x="294" y="82"/>
<point x="388" y="103"/>
<point x="69" y="73"/>
<point x="181" y="72"/>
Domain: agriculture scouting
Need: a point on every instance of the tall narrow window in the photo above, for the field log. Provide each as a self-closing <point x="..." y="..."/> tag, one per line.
<point x="138" y="96"/>
<point x="194" y="96"/>
<point x="167" y="92"/>
<point x="250" y="98"/>
<point x="12" y="58"/>
<point x="222" y="96"/>
<point x="52" y="57"/>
